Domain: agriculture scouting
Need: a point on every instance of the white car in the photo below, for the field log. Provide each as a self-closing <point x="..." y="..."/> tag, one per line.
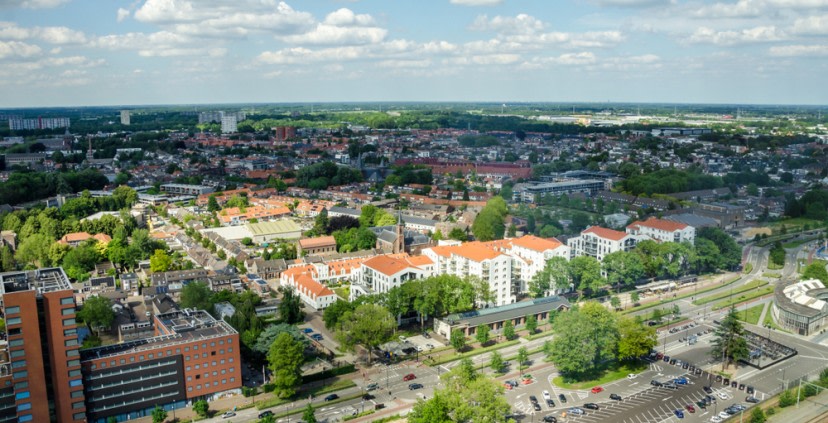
<point x="723" y="415"/>
<point x="632" y="376"/>
<point x="228" y="414"/>
<point x="715" y="419"/>
<point x="546" y="395"/>
<point x="722" y="395"/>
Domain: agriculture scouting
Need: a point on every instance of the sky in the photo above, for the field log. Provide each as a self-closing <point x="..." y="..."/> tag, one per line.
<point x="136" y="52"/>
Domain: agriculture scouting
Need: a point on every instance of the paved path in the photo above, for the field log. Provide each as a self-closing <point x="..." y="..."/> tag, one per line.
<point x="765" y="311"/>
<point x="812" y="410"/>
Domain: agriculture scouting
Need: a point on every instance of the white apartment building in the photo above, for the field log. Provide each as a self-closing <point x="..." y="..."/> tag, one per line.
<point x="380" y="273"/>
<point x="597" y="242"/>
<point x="480" y="260"/>
<point x="229" y="124"/>
<point x="663" y="230"/>
<point x="530" y="254"/>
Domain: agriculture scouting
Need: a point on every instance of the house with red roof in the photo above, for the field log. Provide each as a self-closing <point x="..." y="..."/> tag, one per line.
<point x="663" y="230"/>
<point x="597" y="242"/>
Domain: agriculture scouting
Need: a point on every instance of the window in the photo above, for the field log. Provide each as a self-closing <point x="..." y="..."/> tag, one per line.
<point x="75" y="353"/>
<point x="76" y="394"/>
<point x="70" y="342"/>
<point x="68" y="322"/>
<point x="21" y="385"/>
<point x="13" y="321"/>
<point x="18" y="353"/>
<point x="24" y="406"/>
<point x="70" y="332"/>
<point x="79" y="416"/>
<point x="73" y="363"/>
<point x="232" y="379"/>
<point x="76" y="382"/>
<point x="21" y="395"/>
<point x="77" y="405"/>
<point x="12" y="310"/>
<point x="67" y="301"/>
<point x="25" y="418"/>
<point x="151" y="356"/>
<point x="15" y="331"/>
<point x="18" y="364"/>
<point x="74" y="373"/>
<point x="20" y="374"/>
<point x="67" y="311"/>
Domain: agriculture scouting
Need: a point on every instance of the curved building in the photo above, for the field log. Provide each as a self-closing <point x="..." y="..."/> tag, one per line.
<point x="801" y="307"/>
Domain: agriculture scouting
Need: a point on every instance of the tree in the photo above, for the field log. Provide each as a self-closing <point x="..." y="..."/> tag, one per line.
<point x="489" y="223"/>
<point x="285" y="360"/>
<point x="160" y="261"/>
<point x="623" y="268"/>
<point x="290" y="310"/>
<point x="584" y="338"/>
<point x="97" y="313"/>
<point x="458" y="234"/>
<point x="728" y="340"/>
<point x="635" y="297"/>
<point x="497" y="362"/>
<point x="615" y="302"/>
<point x="158" y="414"/>
<point x="201" y="408"/>
<point x="757" y="415"/>
<point x="308" y="416"/>
<point x="586" y="273"/>
<point x="332" y="314"/>
<point x="457" y="340"/>
<point x="212" y="204"/>
<point x="816" y="270"/>
<point x="634" y="338"/>
<point x="34" y="250"/>
<point x="465" y="397"/>
<point x="197" y="295"/>
<point x="531" y="324"/>
<point x="369" y="325"/>
<point x="482" y="334"/>
<point x="509" y="330"/>
<point x="270" y="333"/>
<point x="522" y="358"/>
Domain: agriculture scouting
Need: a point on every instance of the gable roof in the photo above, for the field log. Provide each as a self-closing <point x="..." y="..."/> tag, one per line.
<point x="391" y="264"/>
<point x="605" y="233"/>
<point x="535" y="243"/>
<point x="321" y="241"/>
<point x="656" y="223"/>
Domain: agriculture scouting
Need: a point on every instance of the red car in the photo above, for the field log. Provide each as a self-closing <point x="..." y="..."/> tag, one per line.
<point x="597" y="390"/>
<point x="690" y="408"/>
<point x="410" y="376"/>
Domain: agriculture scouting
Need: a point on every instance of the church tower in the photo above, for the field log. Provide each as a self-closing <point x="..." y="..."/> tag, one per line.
<point x="399" y="243"/>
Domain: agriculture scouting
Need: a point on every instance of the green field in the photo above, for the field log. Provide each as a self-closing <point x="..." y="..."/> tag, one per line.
<point x="742" y="298"/>
<point x="609" y="374"/>
<point x="794" y="244"/>
<point x="752" y="314"/>
<point x="746" y="287"/>
<point x="771" y="275"/>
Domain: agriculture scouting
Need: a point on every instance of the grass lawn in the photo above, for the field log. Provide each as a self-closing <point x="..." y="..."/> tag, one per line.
<point x="744" y="297"/>
<point x="795" y="224"/>
<point x="794" y="244"/>
<point x="774" y="266"/>
<point x="746" y="287"/>
<point x="769" y="322"/>
<point x="610" y="373"/>
<point x="771" y="275"/>
<point x="751" y="315"/>
<point x="748" y="268"/>
<point x="344" y="292"/>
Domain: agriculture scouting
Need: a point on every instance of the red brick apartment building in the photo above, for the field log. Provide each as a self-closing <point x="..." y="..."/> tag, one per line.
<point x="192" y="356"/>
<point x="40" y="368"/>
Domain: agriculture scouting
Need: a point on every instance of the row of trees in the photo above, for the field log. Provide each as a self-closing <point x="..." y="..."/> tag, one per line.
<point x="322" y="175"/>
<point x="489" y="224"/>
<point x="24" y="186"/>
<point x="713" y="250"/>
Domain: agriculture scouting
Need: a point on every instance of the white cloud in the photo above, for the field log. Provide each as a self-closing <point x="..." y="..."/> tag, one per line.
<point x="122" y="14"/>
<point x="759" y="34"/>
<point x="520" y="24"/>
<point x="476" y="2"/>
<point x="59" y="35"/>
<point x="632" y="3"/>
<point x="405" y="64"/>
<point x="158" y="44"/>
<point x="346" y="17"/>
<point x="18" y="49"/>
<point x="812" y="25"/>
<point x="740" y="9"/>
<point x="329" y="34"/>
<point x="484" y="59"/>
<point x="31" y="4"/>
<point x="799" y="50"/>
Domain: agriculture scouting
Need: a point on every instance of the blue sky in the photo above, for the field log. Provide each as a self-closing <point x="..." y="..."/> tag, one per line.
<point x="118" y="52"/>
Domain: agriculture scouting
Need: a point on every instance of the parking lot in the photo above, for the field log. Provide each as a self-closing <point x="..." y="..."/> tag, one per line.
<point x="411" y="346"/>
<point x="639" y="402"/>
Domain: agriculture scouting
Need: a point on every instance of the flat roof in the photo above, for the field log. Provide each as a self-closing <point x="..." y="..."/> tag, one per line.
<point x="274" y="227"/>
<point x="41" y="280"/>
<point x="507" y="312"/>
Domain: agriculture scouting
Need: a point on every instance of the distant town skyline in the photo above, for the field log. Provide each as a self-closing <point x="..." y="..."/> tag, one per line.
<point x="93" y="52"/>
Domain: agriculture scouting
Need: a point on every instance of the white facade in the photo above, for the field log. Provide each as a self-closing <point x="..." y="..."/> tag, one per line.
<point x="125" y="117"/>
<point x="663" y="230"/>
<point x="381" y="273"/>
<point x="598" y="242"/>
<point x="477" y="260"/>
<point x="530" y="254"/>
<point x="229" y="124"/>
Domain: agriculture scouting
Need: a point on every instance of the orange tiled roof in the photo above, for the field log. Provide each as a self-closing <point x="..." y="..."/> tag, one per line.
<point x="656" y="223"/>
<point x="75" y="237"/>
<point x="391" y="264"/>
<point x="321" y="241"/>
<point x="102" y="237"/>
<point x="606" y="233"/>
<point x="532" y="242"/>
<point x="311" y="287"/>
<point x="475" y="251"/>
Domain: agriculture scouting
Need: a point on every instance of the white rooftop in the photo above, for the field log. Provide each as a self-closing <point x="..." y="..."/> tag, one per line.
<point x="798" y="293"/>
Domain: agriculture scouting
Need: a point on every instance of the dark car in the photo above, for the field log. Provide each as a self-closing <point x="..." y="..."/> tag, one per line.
<point x="750" y="390"/>
<point x="367" y="397"/>
<point x="718" y="378"/>
<point x="679" y="413"/>
<point x="666" y="358"/>
<point x="734" y="384"/>
<point x="264" y="414"/>
<point x="726" y="381"/>
<point x="656" y="383"/>
<point x="306" y="330"/>
<point x="685" y="365"/>
<point x="710" y="399"/>
<point x="591" y="406"/>
<point x="550" y="403"/>
<point x="701" y="404"/>
<point x="615" y="397"/>
<point x="673" y="361"/>
<point x="708" y="390"/>
<point x="372" y="386"/>
<point x="562" y="397"/>
<point x="331" y="397"/>
<point x="550" y="419"/>
<point x="536" y="406"/>
<point x="752" y="399"/>
<point x="741" y="386"/>
<point x="414" y="386"/>
<point x="533" y="399"/>
<point x="426" y="335"/>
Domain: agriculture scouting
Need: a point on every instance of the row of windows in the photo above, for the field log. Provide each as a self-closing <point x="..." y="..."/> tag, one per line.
<point x="207" y="375"/>
<point x="150" y="356"/>
<point x="207" y="385"/>
<point x="204" y="355"/>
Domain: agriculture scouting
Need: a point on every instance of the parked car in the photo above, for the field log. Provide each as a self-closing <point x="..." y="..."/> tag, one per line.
<point x="546" y="395"/>
<point x="615" y="397"/>
<point x="410" y="376"/>
<point x="750" y="390"/>
<point x="656" y="383"/>
<point x="536" y="406"/>
<point x="550" y="403"/>
<point x="679" y="413"/>
<point x="367" y="397"/>
<point x="577" y="411"/>
<point x="331" y="397"/>
<point x="680" y="381"/>
<point x="533" y="399"/>
<point x="708" y="389"/>
<point x="701" y="404"/>
<point x="722" y="395"/>
<point x="426" y="335"/>
<point x="690" y="408"/>
<point x="591" y="406"/>
<point x="715" y="419"/>
<point x="632" y="376"/>
<point x="670" y="385"/>
<point x="666" y="358"/>
<point x="228" y="414"/>
<point x="597" y="390"/>
<point x="562" y="397"/>
<point x="550" y="419"/>
<point x="751" y="398"/>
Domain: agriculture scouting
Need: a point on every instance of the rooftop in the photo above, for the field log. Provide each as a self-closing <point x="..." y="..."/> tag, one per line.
<point x="605" y="233"/>
<point x="40" y="280"/>
<point x="508" y="311"/>
<point x="656" y="223"/>
<point x="535" y="243"/>
<point x="275" y="227"/>
<point x="183" y="326"/>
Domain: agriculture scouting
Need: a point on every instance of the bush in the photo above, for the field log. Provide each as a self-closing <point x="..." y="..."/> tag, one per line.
<point x="770" y="411"/>
<point x="341" y="370"/>
<point x="249" y="392"/>
<point x="786" y="399"/>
